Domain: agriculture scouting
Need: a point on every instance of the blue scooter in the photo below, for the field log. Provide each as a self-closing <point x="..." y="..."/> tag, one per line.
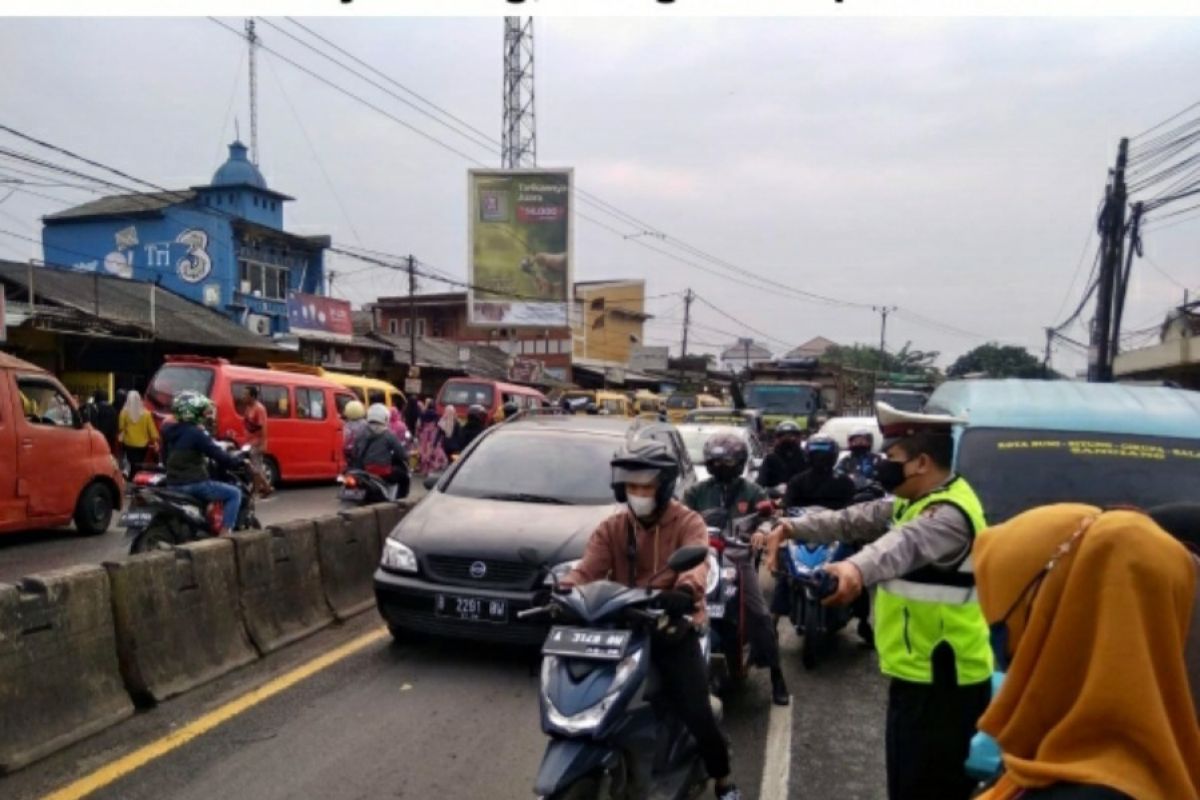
<point x="609" y="735"/>
<point x="802" y="565"/>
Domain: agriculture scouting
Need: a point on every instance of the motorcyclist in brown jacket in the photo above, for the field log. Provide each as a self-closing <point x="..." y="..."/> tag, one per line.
<point x="632" y="547"/>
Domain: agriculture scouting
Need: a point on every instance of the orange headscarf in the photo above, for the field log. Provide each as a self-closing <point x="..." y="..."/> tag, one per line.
<point x="1097" y="692"/>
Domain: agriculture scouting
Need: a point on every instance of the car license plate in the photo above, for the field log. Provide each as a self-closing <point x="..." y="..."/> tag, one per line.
<point x="352" y="494"/>
<point x="134" y="518"/>
<point x="607" y="645"/>
<point x="475" y="609"/>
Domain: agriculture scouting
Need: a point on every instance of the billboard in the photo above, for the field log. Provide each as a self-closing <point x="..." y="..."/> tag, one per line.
<point x="316" y="317"/>
<point x="520" y="247"/>
<point x="644" y="357"/>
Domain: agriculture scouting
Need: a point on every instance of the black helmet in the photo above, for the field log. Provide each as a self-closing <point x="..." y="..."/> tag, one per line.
<point x="822" y="451"/>
<point x="637" y="458"/>
<point x="725" y="456"/>
<point x="786" y="427"/>
<point x="477" y="411"/>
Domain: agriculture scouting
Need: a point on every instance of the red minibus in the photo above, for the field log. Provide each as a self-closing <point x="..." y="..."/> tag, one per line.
<point x="462" y="393"/>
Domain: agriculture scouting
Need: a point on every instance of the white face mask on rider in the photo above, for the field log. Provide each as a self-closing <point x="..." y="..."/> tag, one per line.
<point x="642" y="507"/>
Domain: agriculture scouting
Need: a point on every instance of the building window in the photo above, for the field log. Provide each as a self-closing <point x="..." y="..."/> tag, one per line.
<point x="406" y="327"/>
<point x="421" y="328"/>
<point x="264" y="279"/>
<point x="392" y="326"/>
<point x="539" y="347"/>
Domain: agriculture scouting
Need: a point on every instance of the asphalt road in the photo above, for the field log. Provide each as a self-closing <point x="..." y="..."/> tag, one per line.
<point x="444" y="720"/>
<point x="32" y="552"/>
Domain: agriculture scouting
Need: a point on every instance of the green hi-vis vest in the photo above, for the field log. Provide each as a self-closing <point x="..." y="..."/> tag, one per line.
<point x="917" y="612"/>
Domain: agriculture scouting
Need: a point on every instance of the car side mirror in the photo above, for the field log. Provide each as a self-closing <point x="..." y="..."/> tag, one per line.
<point x="686" y="558"/>
<point x="431" y="481"/>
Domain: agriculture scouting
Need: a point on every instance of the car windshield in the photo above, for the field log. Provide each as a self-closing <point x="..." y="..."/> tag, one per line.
<point x="465" y="395"/>
<point x="781" y="398"/>
<point x="902" y="401"/>
<point x="523" y="465"/>
<point x="694" y="438"/>
<point x="1015" y="470"/>
<point x="171" y="380"/>
<point x="681" y="401"/>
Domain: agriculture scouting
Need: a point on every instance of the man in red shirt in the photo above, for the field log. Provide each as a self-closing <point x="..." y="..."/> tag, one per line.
<point x="254" y="417"/>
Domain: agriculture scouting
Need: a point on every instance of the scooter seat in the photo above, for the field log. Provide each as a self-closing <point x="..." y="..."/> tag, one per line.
<point x="179" y="497"/>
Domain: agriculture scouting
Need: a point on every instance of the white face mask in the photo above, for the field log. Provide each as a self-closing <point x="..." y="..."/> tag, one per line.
<point x="642" y="507"/>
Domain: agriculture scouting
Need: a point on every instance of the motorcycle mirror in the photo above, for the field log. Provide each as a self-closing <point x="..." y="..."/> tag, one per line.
<point x="530" y="556"/>
<point x="686" y="558"/>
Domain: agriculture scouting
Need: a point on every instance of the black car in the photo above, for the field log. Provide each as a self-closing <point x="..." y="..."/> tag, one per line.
<point x="451" y="566"/>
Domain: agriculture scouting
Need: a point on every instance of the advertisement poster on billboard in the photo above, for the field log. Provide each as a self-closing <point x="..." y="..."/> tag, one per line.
<point x="317" y="317"/>
<point x="520" y="243"/>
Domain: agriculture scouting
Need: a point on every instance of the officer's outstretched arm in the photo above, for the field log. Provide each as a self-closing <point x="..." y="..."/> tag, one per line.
<point x="864" y="522"/>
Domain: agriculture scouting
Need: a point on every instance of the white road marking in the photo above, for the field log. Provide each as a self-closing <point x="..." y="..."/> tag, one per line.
<point x="777" y="766"/>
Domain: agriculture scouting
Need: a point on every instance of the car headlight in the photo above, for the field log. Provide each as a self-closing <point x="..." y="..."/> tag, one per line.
<point x="398" y="557"/>
<point x="590" y="717"/>
<point x="559" y="571"/>
<point x="714" y="574"/>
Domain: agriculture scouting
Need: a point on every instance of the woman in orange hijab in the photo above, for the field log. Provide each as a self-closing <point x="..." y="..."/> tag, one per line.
<point x="1092" y="611"/>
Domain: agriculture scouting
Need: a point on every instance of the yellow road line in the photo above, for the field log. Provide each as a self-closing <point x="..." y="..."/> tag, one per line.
<point x="143" y="755"/>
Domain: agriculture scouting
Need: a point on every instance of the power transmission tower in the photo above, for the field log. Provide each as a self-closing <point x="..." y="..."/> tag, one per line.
<point x="252" y="40"/>
<point x="518" y="146"/>
<point x="1112" y="227"/>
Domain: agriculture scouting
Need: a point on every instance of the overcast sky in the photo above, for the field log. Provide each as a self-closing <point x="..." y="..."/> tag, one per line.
<point x="950" y="167"/>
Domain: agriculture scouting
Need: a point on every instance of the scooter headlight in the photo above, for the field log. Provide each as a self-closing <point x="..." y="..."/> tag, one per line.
<point x="398" y="557"/>
<point x="714" y="574"/>
<point x="590" y="718"/>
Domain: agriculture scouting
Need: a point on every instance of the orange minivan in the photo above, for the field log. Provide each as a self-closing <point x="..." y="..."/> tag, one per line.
<point x="54" y="469"/>
<point x="304" y="426"/>
<point x="462" y="393"/>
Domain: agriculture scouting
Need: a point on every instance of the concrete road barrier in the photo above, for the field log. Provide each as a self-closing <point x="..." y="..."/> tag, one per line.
<point x="279" y="583"/>
<point x="59" y="680"/>
<point x="348" y="546"/>
<point x="389" y="516"/>
<point x="178" y="620"/>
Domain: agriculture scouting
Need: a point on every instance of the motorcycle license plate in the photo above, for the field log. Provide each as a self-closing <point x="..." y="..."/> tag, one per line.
<point x="474" y="609"/>
<point x="716" y="610"/>
<point x="352" y="494"/>
<point x="135" y="518"/>
<point x="586" y="643"/>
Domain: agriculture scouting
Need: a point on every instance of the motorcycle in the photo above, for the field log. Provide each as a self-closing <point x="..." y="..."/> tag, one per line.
<point x="159" y="516"/>
<point x="609" y="736"/>
<point x="802" y="565"/>
<point x="360" y="487"/>
<point x="729" y="550"/>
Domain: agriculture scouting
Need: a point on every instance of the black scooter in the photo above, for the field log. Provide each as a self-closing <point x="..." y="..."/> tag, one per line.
<point x="609" y="736"/>
<point x="159" y="516"/>
<point x="358" y="487"/>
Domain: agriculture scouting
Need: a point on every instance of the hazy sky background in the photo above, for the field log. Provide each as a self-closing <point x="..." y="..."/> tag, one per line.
<point x="950" y="167"/>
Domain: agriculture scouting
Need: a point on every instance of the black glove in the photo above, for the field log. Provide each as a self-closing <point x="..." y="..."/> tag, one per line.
<point x="676" y="602"/>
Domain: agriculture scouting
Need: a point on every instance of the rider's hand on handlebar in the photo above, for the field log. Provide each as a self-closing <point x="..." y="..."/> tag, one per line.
<point x="758" y="541"/>
<point x="850" y="583"/>
<point x="676" y="602"/>
<point x="776" y="537"/>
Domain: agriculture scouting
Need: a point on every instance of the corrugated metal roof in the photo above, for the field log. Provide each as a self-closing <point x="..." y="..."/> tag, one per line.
<point x="124" y="205"/>
<point x="484" y="361"/>
<point x="1071" y="406"/>
<point x="105" y="300"/>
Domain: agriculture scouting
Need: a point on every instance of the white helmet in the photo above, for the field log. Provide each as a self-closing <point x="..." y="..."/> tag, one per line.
<point x="377" y="414"/>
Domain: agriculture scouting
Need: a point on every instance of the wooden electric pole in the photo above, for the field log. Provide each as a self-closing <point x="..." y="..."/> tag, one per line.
<point x="1113" y="228"/>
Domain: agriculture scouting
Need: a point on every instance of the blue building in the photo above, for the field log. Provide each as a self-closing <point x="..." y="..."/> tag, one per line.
<point x="222" y="245"/>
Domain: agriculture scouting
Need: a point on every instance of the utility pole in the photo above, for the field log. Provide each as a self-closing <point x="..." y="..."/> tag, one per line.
<point x="1135" y="246"/>
<point x="518" y="147"/>
<point x="1046" y="359"/>
<point x="883" y="315"/>
<point x="252" y="39"/>
<point x="1112" y="226"/>
<point x="688" y="297"/>
<point x="412" y="312"/>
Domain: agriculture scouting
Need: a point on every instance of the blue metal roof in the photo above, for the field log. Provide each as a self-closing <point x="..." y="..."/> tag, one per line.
<point x="238" y="170"/>
<point x="1071" y="406"/>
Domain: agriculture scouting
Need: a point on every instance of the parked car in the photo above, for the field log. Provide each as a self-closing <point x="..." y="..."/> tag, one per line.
<point x="54" y="469"/>
<point x="694" y="436"/>
<point x="304" y="428"/>
<point x="462" y="393"/>
<point x="1028" y="442"/>
<point x="680" y="403"/>
<point x="451" y="566"/>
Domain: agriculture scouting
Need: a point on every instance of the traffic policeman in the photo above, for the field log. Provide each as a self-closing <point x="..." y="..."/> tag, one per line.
<point x="929" y="631"/>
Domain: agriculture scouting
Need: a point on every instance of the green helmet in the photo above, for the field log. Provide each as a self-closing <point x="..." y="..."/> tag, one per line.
<point x="189" y="406"/>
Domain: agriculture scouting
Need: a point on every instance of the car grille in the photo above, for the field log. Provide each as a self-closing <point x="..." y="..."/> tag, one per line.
<point x="499" y="574"/>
